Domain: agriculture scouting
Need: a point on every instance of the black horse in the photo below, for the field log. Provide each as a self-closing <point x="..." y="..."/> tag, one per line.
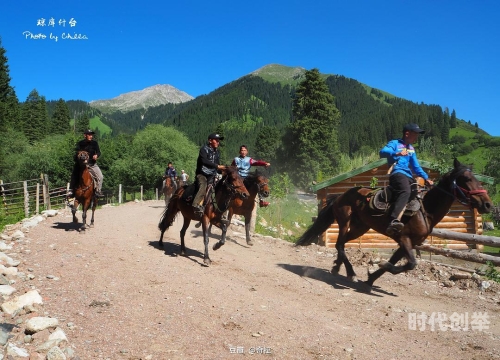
<point x="226" y="189"/>
<point x="354" y="219"/>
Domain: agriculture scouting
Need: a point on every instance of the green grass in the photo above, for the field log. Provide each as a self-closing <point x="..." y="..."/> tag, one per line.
<point x="491" y="249"/>
<point x="286" y="218"/>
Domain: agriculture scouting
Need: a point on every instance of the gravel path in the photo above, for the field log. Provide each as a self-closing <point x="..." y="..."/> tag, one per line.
<point x="129" y="299"/>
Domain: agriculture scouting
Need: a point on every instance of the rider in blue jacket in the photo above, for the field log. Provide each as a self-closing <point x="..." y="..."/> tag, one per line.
<point x="402" y="159"/>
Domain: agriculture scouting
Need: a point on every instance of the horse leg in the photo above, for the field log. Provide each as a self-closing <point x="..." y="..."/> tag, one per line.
<point x="344" y="237"/>
<point x="247" y="229"/>
<point x="206" y="257"/>
<point x="406" y="251"/>
<point x="73" y="211"/>
<point x="84" y="219"/>
<point x="187" y="221"/>
<point x="398" y="255"/>
<point x="94" y="204"/>
<point x="222" y="241"/>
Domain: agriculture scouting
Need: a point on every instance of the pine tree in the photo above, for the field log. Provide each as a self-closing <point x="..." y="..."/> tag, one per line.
<point x="34" y="117"/>
<point x="312" y="140"/>
<point x="9" y="104"/>
<point x="82" y="123"/>
<point x="453" y="119"/>
<point x="60" y="120"/>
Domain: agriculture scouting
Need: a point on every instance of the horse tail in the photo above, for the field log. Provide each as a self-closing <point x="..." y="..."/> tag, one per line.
<point x="169" y="214"/>
<point x="325" y="218"/>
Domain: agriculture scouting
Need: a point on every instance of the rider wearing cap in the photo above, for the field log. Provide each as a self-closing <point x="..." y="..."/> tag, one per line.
<point x="206" y="169"/>
<point x="402" y="159"/>
<point x="91" y="146"/>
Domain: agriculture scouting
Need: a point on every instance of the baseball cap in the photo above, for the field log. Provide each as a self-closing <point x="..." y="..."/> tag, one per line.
<point x="215" y="136"/>
<point x="413" y="127"/>
<point x="89" y="132"/>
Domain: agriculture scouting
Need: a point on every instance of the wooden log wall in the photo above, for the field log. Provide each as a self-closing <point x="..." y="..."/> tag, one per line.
<point x="459" y="218"/>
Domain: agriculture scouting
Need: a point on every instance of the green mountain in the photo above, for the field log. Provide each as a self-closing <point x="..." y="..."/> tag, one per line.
<point x="263" y="98"/>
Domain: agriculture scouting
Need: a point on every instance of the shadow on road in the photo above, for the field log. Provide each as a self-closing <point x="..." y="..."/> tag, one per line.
<point x="71" y="226"/>
<point x="338" y="282"/>
<point x="174" y="250"/>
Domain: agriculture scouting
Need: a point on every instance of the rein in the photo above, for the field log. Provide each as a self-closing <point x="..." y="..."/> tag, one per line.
<point x="232" y="193"/>
<point x="463" y="196"/>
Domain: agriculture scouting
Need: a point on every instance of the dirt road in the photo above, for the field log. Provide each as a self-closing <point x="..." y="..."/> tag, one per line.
<point x="129" y="299"/>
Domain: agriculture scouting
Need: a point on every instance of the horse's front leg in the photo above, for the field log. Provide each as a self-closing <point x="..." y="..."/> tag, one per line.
<point x="222" y="241"/>
<point x="247" y="229"/>
<point x="407" y="251"/>
<point x="93" y="210"/>
<point x="385" y="266"/>
<point x="73" y="211"/>
<point x="205" y="224"/>
<point x="84" y="220"/>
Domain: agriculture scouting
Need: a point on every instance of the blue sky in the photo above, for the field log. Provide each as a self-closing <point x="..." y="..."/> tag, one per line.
<point x="437" y="52"/>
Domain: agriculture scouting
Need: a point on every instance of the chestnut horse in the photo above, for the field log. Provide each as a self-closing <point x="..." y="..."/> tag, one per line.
<point x="226" y="189"/>
<point x="84" y="191"/>
<point x="256" y="184"/>
<point x="168" y="189"/>
<point x="355" y="217"/>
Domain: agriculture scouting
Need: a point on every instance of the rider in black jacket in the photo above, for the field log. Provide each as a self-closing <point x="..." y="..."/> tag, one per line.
<point x="206" y="169"/>
<point x="92" y="147"/>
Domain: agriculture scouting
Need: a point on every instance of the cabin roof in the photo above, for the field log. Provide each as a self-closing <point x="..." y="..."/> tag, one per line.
<point x="424" y="164"/>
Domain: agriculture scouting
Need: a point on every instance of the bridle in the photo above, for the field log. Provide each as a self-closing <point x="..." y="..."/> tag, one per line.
<point x="232" y="190"/>
<point x="463" y="196"/>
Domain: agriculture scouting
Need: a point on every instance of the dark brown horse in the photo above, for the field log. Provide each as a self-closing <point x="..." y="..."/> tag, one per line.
<point x="227" y="188"/>
<point x="84" y="191"/>
<point x="256" y="184"/>
<point x="168" y="189"/>
<point x="355" y="217"/>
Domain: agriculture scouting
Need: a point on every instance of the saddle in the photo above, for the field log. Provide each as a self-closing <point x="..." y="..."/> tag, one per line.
<point x="191" y="190"/>
<point x="380" y="199"/>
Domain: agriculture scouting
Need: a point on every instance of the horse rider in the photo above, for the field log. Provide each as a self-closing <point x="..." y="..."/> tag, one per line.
<point x="172" y="174"/>
<point x="91" y="146"/>
<point x="402" y="159"/>
<point x="206" y="169"/>
<point x="243" y="162"/>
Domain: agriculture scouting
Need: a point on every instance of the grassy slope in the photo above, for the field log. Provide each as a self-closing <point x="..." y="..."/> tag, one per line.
<point x="96" y="123"/>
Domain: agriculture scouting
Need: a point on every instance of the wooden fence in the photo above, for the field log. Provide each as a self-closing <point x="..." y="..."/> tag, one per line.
<point x="29" y="197"/>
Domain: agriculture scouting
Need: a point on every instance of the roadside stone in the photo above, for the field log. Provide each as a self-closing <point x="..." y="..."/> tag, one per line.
<point x="55" y="354"/>
<point x="37" y="324"/>
<point x="7" y="290"/>
<point x="30" y="298"/>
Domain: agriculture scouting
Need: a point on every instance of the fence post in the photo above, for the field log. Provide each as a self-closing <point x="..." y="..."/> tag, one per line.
<point x="142" y="189"/>
<point x="3" y="193"/>
<point x="37" y="199"/>
<point x="120" y="194"/>
<point x="45" y="191"/>
<point x="26" y="199"/>
<point x="156" y="193"/>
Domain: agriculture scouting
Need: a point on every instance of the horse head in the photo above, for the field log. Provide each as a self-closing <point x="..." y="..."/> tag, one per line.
<point x="233" y="182"/>
<point x="467" y="189"/>
<point x="83" y="158"/>
<point x="260" y="181"/>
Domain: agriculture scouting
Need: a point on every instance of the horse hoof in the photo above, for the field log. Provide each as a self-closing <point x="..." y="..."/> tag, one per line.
<point x="334" y="271"/>
<point x="217" y="245"/>
<point x="368" y="286"/>
<point x="250" y="242"/>
<point x="352" y="278"/>
<point x="207" y="262"/>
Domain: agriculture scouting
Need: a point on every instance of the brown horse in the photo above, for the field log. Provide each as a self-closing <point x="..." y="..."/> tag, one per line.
<point x="226" y="189"/>
<point x="168" y="189"/>
<point x="256" y="184"/>
<point x="84" y="191"/>
<point x="355" y="217"/>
